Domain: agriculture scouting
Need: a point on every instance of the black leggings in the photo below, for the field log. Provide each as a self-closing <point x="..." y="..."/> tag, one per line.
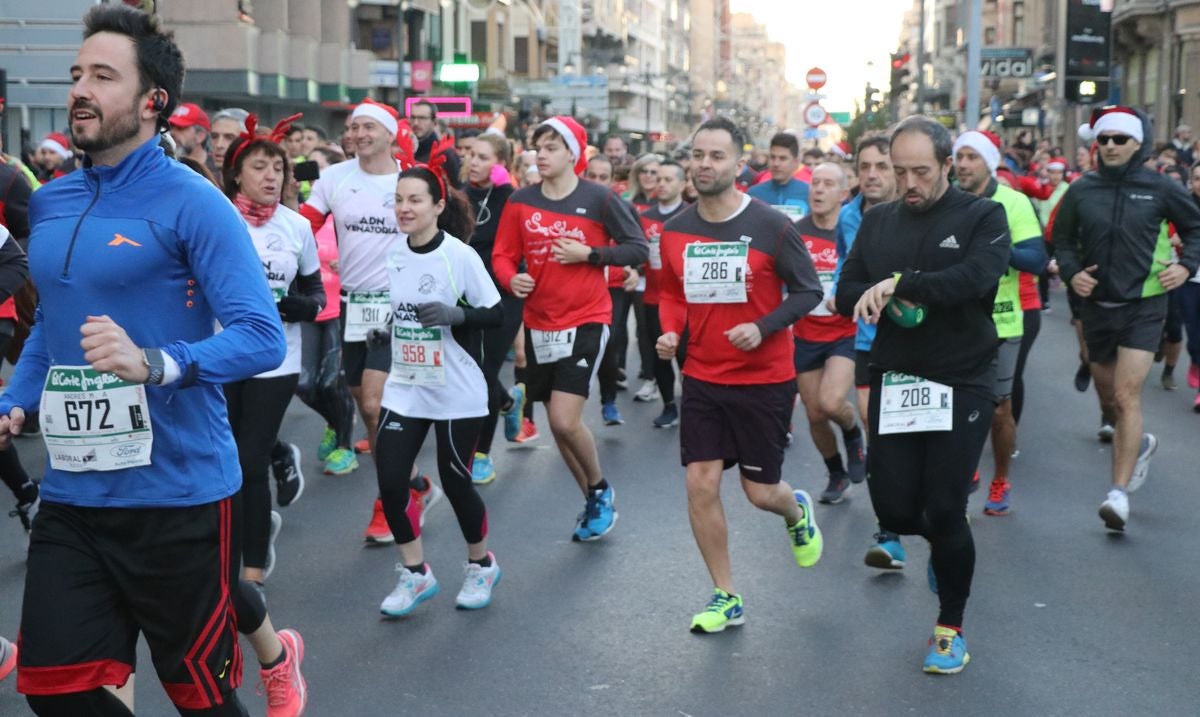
<point x="919" y="484"/>
<point x="397" y="444"/>
<point x="1033" y="325"/>
<point x="496" y="343"/>
<point x="646" y="338"/>
<point x="13" y="473"/>
<point x="102" y="703"/>
<point x="664" y="373"/>
<point x="614" y="353"/>
<point x="322" y="384"/>
<point x="256" y="408"/>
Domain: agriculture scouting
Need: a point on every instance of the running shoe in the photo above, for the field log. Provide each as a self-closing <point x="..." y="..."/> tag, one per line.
<point x="805" y="536"/>
<point x="856" y="460"/>
<point x="427" y="498"/>
<point x="1083" y="378"/>
<point x="598" y="516"/>
<point x="287" y="692"/>
<point x="1168" y="381"/>
<point x="835" y="490"/>
<point x="478" y="582"/>
<point x="668" y="418"/>
<point x="612" y="416"/>
<point x="411" y="590"/>
<point x="1106" y="432"/>
<point x="340" y="462"/>
<point x="276" y="524"/>
<point x="482" y="470"/>
<point x="289" y="479"/>
<point x="1141" y="468"/>
<point x="1114" y="511"/>
<point x="997" y="502"/>
<point x="327" y="445"/>
<point x="378" y="532"/>
<point x="8" y="658"/>
<point x="648" y="392"/>
<point x="887" y="553"/>
<point x="529" y="431"/>
<point x="514" y="415"/>
<point x="1196" y="404"/>
<point x="947" y="652"/>
<point x="723" y="610"/>
<point x="363" y="447"/>
<point x="1193" y="378"/>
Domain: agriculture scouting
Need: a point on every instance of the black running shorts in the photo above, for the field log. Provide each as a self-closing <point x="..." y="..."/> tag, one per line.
<point x="740" y="425"/>
<point x="812" y="355"/>
<point x="1135" y="325"/>
<point x="97" y="577"/>
<point x="572" y="374"/>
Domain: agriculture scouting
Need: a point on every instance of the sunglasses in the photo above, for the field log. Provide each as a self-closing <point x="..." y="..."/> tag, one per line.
<point x="1118" y="139"/>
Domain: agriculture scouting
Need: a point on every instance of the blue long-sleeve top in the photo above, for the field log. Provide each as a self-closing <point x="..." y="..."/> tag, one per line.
<point x="158" y="249"/>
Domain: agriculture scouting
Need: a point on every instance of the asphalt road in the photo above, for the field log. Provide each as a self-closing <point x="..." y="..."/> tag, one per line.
<point x="1065" y="619"/>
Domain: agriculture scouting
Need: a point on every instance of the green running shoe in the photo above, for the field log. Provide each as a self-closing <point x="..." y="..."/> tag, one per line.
<point x="340" y="462"/>
<point x="328" y="444"/>
<point x="722" y="611"/>
<point x="805" y="535"/>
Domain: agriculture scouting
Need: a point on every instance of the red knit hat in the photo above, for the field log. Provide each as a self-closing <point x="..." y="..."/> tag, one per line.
<point x="574" y="136"/>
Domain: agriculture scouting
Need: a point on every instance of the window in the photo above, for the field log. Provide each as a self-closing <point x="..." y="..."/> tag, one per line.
<point x="479" y="41"/>
<point x="521" y="61"/>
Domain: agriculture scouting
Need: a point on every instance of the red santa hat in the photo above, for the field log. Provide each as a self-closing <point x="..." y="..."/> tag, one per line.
<point x="841" y="149"/>
<point x="387" y="117"/>
<point x="1057" y="164"/>
<point x="574" y="136"/>
<point x="986" y="144"/>
<point x="57" y="143"/>
<point x="1114" y="119"/>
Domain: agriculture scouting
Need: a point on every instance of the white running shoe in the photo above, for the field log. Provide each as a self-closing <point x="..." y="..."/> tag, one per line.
<point x="412" y="589"/>
<point x="648" y="392"/>
<point x="1114" y="511"/>
<point x="477" y="585"/>
<point x="1141" y="469"/>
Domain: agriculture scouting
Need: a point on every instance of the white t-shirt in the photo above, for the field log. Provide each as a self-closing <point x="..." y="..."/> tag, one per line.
<point x="433" y="376"/>
<point x="363" y="208"/>
<point x="286" y="247"/>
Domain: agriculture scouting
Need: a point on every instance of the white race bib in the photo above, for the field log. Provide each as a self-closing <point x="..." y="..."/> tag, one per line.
<point x="911" y="404"/>
<point x="551" y="346"/>
<point x="366" y="310"/>
<point x="94" y="421"/>
<point x="655" y="253"/>
<point x="418" y="356"/>
<point x="715" y="272"/>
<point x="793" y="212"/>
<point x="822" y="309"/>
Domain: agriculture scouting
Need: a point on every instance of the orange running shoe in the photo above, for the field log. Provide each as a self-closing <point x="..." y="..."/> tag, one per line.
<point x="378" y="531"/>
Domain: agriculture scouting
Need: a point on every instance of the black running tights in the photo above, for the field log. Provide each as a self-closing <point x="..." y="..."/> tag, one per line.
<point x="614" y="353"/>
<point x="13" y="473"/>
<point x="322" y="384"/>
<point x="919" y="484"/>
<point x="256" y="408"/>
<point x="496" y="343"/>
<point x="396" y="447"/>
<point x="1033" y="325"/>
<point x="664" y="372"/>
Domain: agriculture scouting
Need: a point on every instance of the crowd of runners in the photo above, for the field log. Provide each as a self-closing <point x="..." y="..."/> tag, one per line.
<point x="402" y="282"/>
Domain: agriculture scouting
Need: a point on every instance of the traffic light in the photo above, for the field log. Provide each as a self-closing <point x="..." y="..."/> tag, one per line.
<point x="870" y="103"/>
<point x="900" y="71"/>
<point x="1086" y="91"/>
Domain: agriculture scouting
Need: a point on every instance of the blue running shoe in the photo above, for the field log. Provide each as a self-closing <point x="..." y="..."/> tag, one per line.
<point x="328" y="444"/>
<point x="512" y="417"/>
<point x="931" y="576"/>
<point x="612" y="417"/>
<point x="947" y="652"/>
<point x="887" y="553"/>
<point x="599" y="516"/>
<point x="340" y="462"/>
<point x="482" y="470"/>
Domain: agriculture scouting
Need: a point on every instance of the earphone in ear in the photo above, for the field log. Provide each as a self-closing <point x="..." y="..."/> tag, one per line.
<point x="157" y="102"/>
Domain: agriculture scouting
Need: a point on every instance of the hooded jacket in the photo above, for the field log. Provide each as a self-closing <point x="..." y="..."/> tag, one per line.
<point x="1113" y="218"/>
<point x="158" y="249"/>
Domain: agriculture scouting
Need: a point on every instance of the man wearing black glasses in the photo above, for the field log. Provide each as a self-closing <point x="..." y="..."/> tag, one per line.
<point x="1111" y="242"/>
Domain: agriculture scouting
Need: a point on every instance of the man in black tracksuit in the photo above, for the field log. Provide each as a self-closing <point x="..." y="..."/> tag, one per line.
<point x="1112" y="245"/>
<point x="939" y="250"/>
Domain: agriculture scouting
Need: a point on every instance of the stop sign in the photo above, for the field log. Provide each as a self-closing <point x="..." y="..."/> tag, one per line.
<point x="815" y="78"/>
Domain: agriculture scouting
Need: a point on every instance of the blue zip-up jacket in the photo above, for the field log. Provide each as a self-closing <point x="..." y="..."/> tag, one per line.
<point x="792" y="194"/>
<point x="158" y="249"/>
<point x="849" y="220"/>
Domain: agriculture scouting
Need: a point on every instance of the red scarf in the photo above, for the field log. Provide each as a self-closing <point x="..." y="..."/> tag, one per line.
<point x="253" y="212"/>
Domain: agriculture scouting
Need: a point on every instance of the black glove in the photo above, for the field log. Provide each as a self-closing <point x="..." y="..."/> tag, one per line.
<point x="294" y="308"/>
<point x="438" y="314"/>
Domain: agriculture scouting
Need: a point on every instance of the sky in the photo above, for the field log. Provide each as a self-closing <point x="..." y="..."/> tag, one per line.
<point x="839" y="36"/>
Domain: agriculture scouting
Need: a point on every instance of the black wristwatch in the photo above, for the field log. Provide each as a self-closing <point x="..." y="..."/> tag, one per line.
<point x="594" y="257"/>
<point x="153" y="358"/>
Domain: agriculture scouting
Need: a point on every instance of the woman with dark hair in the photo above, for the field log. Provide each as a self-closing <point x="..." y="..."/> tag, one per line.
<point x="256" y="171"/>
<point x="488" y="188"/>
<point x="442" y="297"/>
